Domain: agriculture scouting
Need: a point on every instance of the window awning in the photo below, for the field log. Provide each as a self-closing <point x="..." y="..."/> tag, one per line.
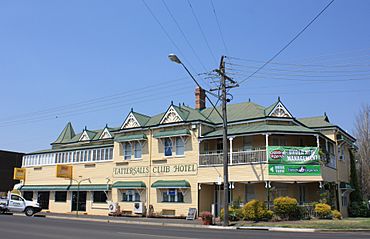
<point x="129" y="185"/>
<point x="171" y="133"/>
<point x="90" y="187"/>
<point x="44" y="188"/>
<point x="171" y="184"/>
<point x="133" y="137"/>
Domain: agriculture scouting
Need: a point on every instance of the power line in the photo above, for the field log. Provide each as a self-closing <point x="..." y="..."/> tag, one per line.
<point x="166" y="33"/>
<point x="201" y="30"/>
<point x="219" y="27"/>
<point x="288" y="44"/>
<point x="183" y="34"/>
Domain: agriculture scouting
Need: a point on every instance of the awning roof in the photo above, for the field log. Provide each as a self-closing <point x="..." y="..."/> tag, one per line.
<point x="129" y="185"/>
<point x="90" y="187"/>
<point x="344" y="185"/>
<point x="44" y="188"/>
<point x="171" y="184"/>
<point x="171" y="133"/>
<point x="133" y="137"/>
<point x="93" y="187"/>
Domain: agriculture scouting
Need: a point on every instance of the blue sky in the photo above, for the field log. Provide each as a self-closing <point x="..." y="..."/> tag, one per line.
<point x="89" y="62"/>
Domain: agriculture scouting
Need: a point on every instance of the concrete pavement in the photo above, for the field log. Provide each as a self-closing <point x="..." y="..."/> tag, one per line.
<point x="14" y="227"/>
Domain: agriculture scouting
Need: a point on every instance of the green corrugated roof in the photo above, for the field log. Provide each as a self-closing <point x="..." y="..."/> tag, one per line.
<point x="90" y="187"/>
<point x="255" y="128"/>
<point x="67" y="134"/>
<point x="318" y="121"/>
<point x="171" y="184"/>
<point x="141" y="118"/>
<point x="129" y="185"/>
<point x="44" y="188"/>
<point x="132" y="137"/>
<point x="171" y="133"/>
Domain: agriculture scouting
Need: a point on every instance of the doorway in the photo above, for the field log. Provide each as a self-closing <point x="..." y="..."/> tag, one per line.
<point x="43" y="199"/>
<point x="81" y="207"/>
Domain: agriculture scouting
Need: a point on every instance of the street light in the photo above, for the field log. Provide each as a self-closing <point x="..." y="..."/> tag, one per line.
<point x="78" y="192"/>
<point x="223" y="116"/>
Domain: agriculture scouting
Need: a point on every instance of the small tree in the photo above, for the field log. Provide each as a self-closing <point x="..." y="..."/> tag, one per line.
<point x="355" y="196"/>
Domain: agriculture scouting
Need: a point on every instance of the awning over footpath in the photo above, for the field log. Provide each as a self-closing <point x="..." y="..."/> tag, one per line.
<point x="171" y="133"/>
<point x="129" y="185"/>
<point x="132" y="137"/>
<point x="171" y="184"/>
<point x="92" y="187"/>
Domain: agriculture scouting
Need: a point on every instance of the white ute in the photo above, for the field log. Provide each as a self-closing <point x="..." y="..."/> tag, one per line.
<point x="16" y="203"/>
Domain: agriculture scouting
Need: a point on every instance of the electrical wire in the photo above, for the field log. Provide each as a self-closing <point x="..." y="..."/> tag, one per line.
<point x="219" y="28"/>
<point x="289" y="43"/>
<point x="201" y="30"/>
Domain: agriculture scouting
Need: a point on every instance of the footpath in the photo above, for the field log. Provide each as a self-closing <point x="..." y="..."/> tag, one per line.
<point x="175" y="222"/>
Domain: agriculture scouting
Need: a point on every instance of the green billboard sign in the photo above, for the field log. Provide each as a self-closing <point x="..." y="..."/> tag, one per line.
<point x="294" y="170"/>
<point x="293" y="155"/>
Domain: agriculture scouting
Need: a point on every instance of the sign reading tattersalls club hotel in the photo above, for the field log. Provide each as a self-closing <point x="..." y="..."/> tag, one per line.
<point x="172" y="161"/>
<point x="157" y="170"/>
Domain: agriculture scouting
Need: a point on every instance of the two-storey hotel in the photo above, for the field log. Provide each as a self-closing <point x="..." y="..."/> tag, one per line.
<point x="172" y="161"/>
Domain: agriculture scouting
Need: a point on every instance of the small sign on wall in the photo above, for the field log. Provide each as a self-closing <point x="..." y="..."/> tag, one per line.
<point x="64" y="171"/>
<point x="19" y="174"/>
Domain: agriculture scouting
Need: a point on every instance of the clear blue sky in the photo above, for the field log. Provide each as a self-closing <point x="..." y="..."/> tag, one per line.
<point x="112" y="55"/>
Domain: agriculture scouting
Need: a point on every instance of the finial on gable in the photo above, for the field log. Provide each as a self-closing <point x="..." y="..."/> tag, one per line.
<point x="171" y="102"/>
<point x="249" y="99"/>
<point x="132" y="109"/>
<point x="325" y="114"/>
<point x="85" y="127"/>
<point x="106" y="125"/>
<point x="278" y="98"/>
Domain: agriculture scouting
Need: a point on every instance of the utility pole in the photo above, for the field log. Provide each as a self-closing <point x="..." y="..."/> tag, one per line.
<point x="225" y="84"/>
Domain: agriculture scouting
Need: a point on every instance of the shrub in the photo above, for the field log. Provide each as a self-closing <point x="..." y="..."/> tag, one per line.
<point x="206" y="217"/>
<point x="235" y="214"/>
<point x="286" y="208"/>
<point x="358" y="209"/>
<point x="268" y="215"/>
<point x="336" y="214"/>
<point x="254" y="210"/>
<point x="323" y="210"/>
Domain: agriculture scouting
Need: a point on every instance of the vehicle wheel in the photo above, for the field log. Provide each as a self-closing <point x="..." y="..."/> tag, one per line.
<point x="29" y="211"/>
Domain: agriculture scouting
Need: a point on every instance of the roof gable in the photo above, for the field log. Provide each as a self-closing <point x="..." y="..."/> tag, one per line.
<point x="278" y="110"/>
<point x="174" y="114"/>
<point x="134" y="120"/>
<point x="105" y="134"/>
<point x="87" y="135"/>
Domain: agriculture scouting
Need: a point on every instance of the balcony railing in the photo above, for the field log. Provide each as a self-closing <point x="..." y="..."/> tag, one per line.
<point x="241" y="157"/>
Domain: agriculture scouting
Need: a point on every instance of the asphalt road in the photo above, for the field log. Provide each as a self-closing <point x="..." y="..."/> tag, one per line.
<point x="19" y="227"/>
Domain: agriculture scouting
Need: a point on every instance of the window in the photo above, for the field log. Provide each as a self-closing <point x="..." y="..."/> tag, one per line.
<point x="167" y="147"/>
<point x="127" y="151"/>
<point x="130" y="196"/>
<point x="28" y="195"/>
<point x="16" y="198"/>
<point x="60" y="196"/>
<point x="99" y="197"/>
<point x="180" y="146"/>
<point x="138" y="150"/>
<point x="279" y="141"/>
<point x="247" y="143"/>
<point x="219" y="146"/>
<point x="172" y="195"/>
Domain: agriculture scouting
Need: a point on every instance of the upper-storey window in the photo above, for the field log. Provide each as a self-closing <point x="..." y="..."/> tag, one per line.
<point x="167" y="147"/>
<point x="138" y="150"/>
<point x="174" y="145"/>
<point x="127" y="151"/>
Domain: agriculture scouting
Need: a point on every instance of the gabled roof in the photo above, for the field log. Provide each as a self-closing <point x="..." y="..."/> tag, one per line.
<point x="134" y="120"/>
<point x="66" y="135"/>
<point x="316" y="122"/>
<point x="278" y="109"/>
<point x="87" y="135"/>
<point x="174" y="114"/>
<point x="105" y="133"/>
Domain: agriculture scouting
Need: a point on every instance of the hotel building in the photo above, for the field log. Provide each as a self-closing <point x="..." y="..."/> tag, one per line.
<point x="172" y="161"/>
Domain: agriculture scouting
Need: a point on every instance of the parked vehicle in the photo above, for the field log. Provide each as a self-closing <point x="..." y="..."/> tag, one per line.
<point x="16" y="203"/>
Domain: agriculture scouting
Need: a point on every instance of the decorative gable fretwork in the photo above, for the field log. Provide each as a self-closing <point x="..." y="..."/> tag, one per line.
<point x="171" y="116"/>
<point x="105" y="134"/>
<point x="130" y="122"/>
<point x="280" y="111"/>
<point x="84" y="136"/>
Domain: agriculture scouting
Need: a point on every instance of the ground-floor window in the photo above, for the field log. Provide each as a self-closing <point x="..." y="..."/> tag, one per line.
<point x="130" y="196"/>
<point x="61" y="196"/>
<point x="28" y="195"/>
<point x="172" y="195"/>
<point x="99" y="197"/>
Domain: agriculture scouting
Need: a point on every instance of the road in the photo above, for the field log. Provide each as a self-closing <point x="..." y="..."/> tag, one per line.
<point x="20" y="227"/>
